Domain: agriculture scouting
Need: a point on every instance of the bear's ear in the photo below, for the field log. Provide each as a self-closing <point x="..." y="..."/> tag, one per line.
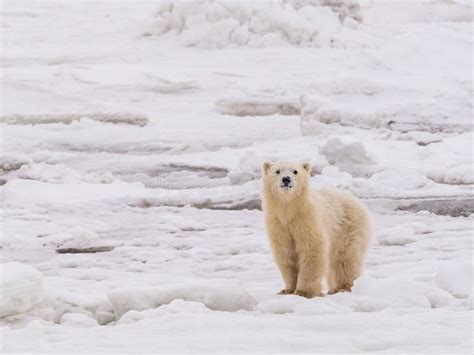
<point x="306" y="166"/>
<point x="266" y="166"/>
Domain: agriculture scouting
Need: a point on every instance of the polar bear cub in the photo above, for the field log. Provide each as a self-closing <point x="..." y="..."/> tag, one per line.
<point x="314" y="235"/>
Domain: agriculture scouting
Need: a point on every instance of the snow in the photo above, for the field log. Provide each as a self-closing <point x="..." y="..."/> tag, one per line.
<point x="21" y="288"/>
<point x="217" y="296"/>
<point x="396" y="236"/>
<point x="77" y="320"/>
<point x="130" y="172"/>
<point x="456" y="278"/>
<point x="220" y="24"/>
<point x="345" y="150"/>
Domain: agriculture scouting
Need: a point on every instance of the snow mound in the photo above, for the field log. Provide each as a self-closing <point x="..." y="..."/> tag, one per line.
<point x="219" y="24"/>
<point x="280" y="305"/>
<point x="373" y="295"/>
<point x="21" y="287"/>
<point x="218" y="296"/>
<point x="456" y="278"/>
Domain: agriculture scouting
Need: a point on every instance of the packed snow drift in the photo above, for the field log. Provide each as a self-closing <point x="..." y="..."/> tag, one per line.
<point x="218" y="24"/>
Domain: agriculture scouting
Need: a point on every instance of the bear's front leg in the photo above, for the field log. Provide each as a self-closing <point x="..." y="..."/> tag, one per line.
<point x="283" y="250"/>
<point x="313" y="266"/>
<point x="285" y="259"/>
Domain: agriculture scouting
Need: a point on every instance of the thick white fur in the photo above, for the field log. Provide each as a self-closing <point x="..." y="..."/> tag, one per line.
<point x="314" y="235"/>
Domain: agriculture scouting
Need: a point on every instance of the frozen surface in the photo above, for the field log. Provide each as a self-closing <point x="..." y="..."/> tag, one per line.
<point x="21" y="287"/>
<point x="132" y="142"/>
<point x="220" y="24"/>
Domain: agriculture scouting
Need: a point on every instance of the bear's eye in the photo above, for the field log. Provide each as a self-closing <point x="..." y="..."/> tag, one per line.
<point x="295" y="172"/>
<point x="277" y="172"/>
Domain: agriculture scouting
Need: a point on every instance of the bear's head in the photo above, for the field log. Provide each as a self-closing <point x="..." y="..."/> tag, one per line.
<point x="286" y="180"/>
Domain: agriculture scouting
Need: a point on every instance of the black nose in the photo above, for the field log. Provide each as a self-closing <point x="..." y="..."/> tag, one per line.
<point x="286" y="180"/>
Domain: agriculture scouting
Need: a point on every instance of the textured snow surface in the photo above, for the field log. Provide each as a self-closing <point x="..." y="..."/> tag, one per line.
<point x="219" y="24"/>
<point x="130" y="171"/>
<point x="21" y="287"/>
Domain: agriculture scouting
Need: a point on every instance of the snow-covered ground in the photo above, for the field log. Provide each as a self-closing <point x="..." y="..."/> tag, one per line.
<point x="132" y="139"/>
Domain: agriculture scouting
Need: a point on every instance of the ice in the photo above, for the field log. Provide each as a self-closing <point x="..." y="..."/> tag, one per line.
<point x="20" y="289"/>
<point x="344" y="150"/>
<point x="10" y="162"/>
<point x="258" y="107"/>
<point x="218" y="296"/>
<point x="77" y="320"/>
<point x="79" y="240"/>
<point x="117" y="118"/>
<point x="222" y="24"/>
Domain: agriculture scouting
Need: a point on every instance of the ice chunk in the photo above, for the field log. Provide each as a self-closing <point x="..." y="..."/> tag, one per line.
<point x="67" y="118"/>
<point x="258" y="106"/>
<point x="21" y="287"/>
<point x="219" y="24"/>
<point x="345" y="150"/>
<point x="81" y="241"/>
<point x="219" y="296"/>
<point x="9" y="162"/>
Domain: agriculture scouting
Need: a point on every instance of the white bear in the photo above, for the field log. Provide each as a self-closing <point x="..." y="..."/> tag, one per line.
<point x="314" y="235"/>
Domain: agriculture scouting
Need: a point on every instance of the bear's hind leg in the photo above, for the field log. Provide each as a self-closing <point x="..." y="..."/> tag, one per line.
<point x="345" y="269"/>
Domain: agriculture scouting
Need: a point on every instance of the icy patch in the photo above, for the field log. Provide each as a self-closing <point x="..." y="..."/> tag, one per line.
<point x="21" y="287"/>
<point x="456" y="278"/>
<point x="258" y="107"/>
<point x="219" y="24"/>
<point x="424" y="138"/>
<point x="78" y="320"/>
<point x="396" y="236"/>
<point x="442" y="206"/>
<point x="218" y="296"/>
<point x="117" y="118"/>
<point x="462" y="174"/>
